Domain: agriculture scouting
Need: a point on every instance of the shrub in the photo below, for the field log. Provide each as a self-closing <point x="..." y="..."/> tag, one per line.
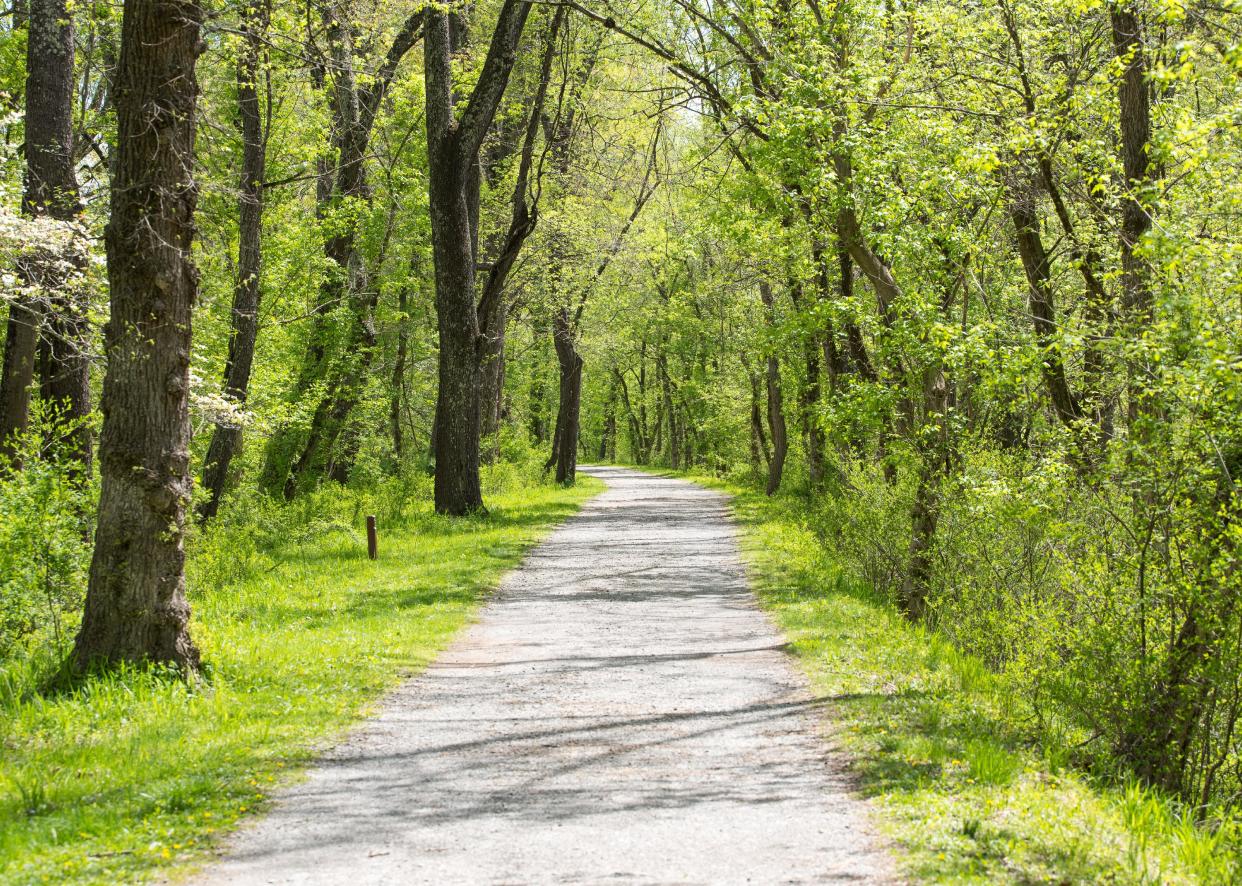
<point x="46" y="515"/>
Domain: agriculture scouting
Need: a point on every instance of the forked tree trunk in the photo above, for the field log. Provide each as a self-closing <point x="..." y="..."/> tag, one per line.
<point x="349" y="282"/>
<point x="135" y="603"/>
<point x="637" y="433"/>
<point x="453" y="147"/>
<point x="51" y="191"/>
<point x="493" y="306"/>
<point x="226" y="439"/>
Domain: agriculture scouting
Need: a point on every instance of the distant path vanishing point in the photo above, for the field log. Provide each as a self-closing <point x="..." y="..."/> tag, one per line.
<point x="621" y="712"/>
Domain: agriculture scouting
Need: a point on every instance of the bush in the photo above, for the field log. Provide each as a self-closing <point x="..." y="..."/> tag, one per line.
<point x="46" y="516"/>
<point x="1112" y="610"/>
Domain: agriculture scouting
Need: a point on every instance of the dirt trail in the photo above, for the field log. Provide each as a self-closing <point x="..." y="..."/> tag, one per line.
<point x="620" y="713"/>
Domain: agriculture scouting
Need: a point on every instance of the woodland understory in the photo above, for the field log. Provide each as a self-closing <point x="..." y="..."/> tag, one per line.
<point x="963" y="277"/>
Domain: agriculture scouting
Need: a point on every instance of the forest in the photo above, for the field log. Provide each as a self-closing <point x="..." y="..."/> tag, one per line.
<point x="950" y="290"/>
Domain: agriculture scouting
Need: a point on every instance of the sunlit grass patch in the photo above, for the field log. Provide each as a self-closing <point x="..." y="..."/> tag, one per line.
<point x="136" y="771"/>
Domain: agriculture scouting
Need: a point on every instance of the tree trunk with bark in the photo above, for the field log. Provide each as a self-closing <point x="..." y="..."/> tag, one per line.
<point x="51" y="191"/>
<point x="809" y="396"/>
<point x="226" y="438"/>
<point x="570" y="364"/>
<point x="760" y="452"/>
<point x="492" y="375"/>
<point x="776" y="407"/>
<point x="1134" y="103"/>
<point x="925" y="512"/>
<point x="672" y="443"/>
<point x="453" y="148"/>
<point x="292" y="457"/>
<point x="608" y="433"/>
<point x="493" y="306"/>
<point x="397" y="396"/>
<point x="135" y="604"/>
<point x="1043" y="314"/>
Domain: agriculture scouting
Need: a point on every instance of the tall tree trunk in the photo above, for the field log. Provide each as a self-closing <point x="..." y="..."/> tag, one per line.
<point x="1043" y="314"/>
<point x="672" y="443"/>
<point x="397" y="394"/>
<point x="925" y="512"/>
<point x="1098" y="310"/>
<point x="538" y="396"/>
<point x="569" y="363"/>
<point x="758" y="438"/>
<point x="51" y="191"/>
<point x="808" y="399"/>
<point x="776" y="407"/>
<point x="493" y="371"/>
<point x="226" y="439"/>
<point x="135" y="603"/>
<point x="608" y="434"/>
<point x="637" y="434"/>
<point x="453" y="144"/>
<point x="493" y="308"/>
<point x="17" y="375"/>
<point x="1134" y="101"/>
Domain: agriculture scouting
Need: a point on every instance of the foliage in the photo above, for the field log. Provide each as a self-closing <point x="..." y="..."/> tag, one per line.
<point x="970" y="788"/>
<point x="45" y="514"/>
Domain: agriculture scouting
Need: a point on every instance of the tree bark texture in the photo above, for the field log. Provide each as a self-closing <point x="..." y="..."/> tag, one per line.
<point x="1043" y="314"/>
<point x="493" y="307"/>
<point x="1134" y="101"/>
<point x="453" y="148"/>
<point x="135" y="604"/>
<point x="397" y="396"/>
<point x="293" y="456"/>
<point x="569" y="362"/>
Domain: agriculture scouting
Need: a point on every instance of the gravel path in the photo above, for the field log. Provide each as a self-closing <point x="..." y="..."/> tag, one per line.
<point x="620" y="713"/>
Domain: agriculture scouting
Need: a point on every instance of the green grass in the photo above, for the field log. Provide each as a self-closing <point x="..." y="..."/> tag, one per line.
<point x="136" y="773"/>
<point x="965" y="790"/>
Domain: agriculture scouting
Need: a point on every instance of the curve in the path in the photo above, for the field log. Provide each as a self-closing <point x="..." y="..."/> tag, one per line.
<point x="621" y="712"/>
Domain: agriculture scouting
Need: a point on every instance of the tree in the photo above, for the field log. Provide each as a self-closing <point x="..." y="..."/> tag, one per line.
<point x="227" y="437"/>
<point x="136" y="608"/>
<point x="350" y="280"/>
<point x="54" y="279"/>
<point x="453" y="149"/>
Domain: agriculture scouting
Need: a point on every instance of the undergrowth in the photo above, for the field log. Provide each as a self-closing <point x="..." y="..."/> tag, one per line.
<point x="138" y="770"/>
<point x="969" y="788"/>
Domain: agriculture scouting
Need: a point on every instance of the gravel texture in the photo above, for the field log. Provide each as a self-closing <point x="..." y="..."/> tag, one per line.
<point x="621" y="712"/>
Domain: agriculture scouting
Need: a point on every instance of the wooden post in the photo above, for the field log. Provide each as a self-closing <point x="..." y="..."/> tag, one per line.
<point x="372" y="538"/>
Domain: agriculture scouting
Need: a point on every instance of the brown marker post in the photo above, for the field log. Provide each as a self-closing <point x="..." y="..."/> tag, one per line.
<point x="372" y="538"/>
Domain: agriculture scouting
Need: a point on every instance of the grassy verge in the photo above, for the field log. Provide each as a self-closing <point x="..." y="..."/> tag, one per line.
<point x="967" y="792"/>
<point x="135" y="773"/>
